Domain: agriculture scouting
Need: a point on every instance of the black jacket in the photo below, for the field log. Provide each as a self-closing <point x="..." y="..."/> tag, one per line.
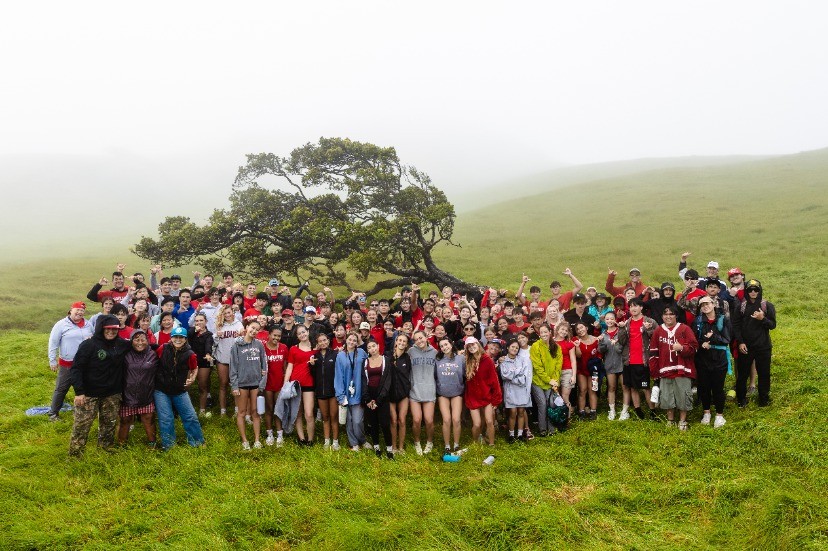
<point x="202" y="345"/>
<point x="751" y="332"/>
<point x="382" y="394"/>
<point x="173" y="369"/>
<point x="714" y="359"/>
<point x="401" y="377"/>
<point x="98" y="369"/>
<point x="139" y="373"/>
<point x="323" y="373"/>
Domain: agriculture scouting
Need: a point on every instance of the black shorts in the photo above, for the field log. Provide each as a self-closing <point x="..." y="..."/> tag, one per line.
<point x="636" y="377"/>
<point x="308" y="389"/>
<point x="254" y="387"/>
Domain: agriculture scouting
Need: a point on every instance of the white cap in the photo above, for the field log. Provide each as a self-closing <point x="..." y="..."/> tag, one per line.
<point x="713" y="264"/>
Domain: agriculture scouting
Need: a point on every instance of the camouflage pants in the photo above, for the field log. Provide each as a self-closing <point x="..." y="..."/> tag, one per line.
<point x="106" y="409"/>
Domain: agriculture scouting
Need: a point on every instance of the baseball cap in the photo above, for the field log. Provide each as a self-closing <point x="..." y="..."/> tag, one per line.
<point x="691" y="274"/>
<point x="364" y="325"/>
<point x="734" y="271"/>
<point x="310" y="310"/>
<point x="705" y="299"/>
<point x="470" y="339"/>
<point x="79" y="304"/>
<point x="579" y="297"/>
<point x="179" y="332"/>
<point x="635" y="270"/>
<point x="273" y="282"/>
<point x="175" y="277"/>
<point x="287" y="312"/>
<point x="713" y="264"/>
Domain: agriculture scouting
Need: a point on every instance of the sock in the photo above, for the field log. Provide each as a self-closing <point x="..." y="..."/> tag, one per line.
<point x="511" y="433"/>
<point x="327" y="440"/>
<point x="269" y="432"/>
<point x="389" y="449"/>
<point x="625" y="408"/>
<point x="279" y="433"/>
<point x="457" y="445"/>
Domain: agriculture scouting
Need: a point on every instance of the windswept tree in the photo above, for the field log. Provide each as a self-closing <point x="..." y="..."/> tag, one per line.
<point x="333" y="212"/>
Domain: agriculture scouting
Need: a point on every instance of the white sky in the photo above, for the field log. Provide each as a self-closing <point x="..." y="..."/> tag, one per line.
<point x="470" y="92"/>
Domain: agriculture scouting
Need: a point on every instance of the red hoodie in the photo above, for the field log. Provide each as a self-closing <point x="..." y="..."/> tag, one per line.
<point x="483" y="389"/>
<point x="668" y="363"/>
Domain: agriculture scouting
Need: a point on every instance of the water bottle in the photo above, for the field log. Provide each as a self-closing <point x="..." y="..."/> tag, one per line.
<point x="449" y="458"/>
<point x="260" y="404"/>
<point x="595" y="382"/>
<point x="461" y="452"/>
<point x="489" y="460"/>
<point x="654" y="394"/>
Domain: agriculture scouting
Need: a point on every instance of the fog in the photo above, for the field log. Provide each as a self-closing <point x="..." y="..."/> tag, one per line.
<point x="148" y="109"/>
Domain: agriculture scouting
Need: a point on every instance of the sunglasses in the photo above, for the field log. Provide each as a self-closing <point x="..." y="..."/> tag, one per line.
<point x="468" y="329"/>
<point x="375" y="304"/>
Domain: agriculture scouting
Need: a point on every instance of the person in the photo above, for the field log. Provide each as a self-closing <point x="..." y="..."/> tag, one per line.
<point x="117" y="292"/>
<point x="348" y="386"/>
<point x="666" y="297"/>
<point x="98" y="379"/>
<point x="166" y="323"/>
<point x="65" y="338"/>
<point x="546" y="360"/>
<point x="563" y="336"/>
<point x="450" y="374"/>
<point x="634" y="336"/>
<point x="599" y="308"/>
<point x="324" y="373"/>
<point x="248" y="374"/>
<point x="140" y="364"/>
<point x="516" y="372"/>
<point x="376" y="385"/>
<point x="712" y="276"/>
<point x="579" y="314"/>
<point x="276" y="352"/>
<point x="672" y="351"/>
<point x="228" y="329"/>
<point x="201" y="342"/>
<point x="713" y="332"/>
<point x="483" y="393"/>
<point x="184" y="310"/>
<point x="301" y="359"/>
<point x="589" y="365"/>
<point x="400" y="389"/>
<point x="423" y="391"/>
<point x="106" y="308"/>
<point x="634" y="283"/>
<point x="611" y="350"/>
<point x="753" y="320"/>
<point x="178" y="368"/>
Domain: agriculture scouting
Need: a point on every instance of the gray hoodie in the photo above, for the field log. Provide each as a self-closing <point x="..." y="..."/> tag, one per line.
<point x="517" y="381"/>
<point x="248" y="364"/>
<point x="423" y="386"/>
<point x="450" y="375"/>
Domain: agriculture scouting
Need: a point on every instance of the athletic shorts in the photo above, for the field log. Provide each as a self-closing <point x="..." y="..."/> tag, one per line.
<point x="254" y="387"/>
<point x="567" y="378"/>
<point x="676" y="393"/>
<point x="308" y="389"/>
<point x="636" y="377"/>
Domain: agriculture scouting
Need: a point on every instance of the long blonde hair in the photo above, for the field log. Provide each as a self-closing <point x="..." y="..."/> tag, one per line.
<point x="220" y="315"/>
<point x="473" y="360"/>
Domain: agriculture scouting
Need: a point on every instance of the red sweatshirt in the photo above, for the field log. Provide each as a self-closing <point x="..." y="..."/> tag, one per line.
<point x="668" y="363"/>
<point x="483" y="389"/>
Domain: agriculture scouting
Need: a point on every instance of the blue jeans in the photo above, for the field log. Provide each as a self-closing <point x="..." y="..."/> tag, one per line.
<point x="353" y="425"/>
<point x="164" y="404"/>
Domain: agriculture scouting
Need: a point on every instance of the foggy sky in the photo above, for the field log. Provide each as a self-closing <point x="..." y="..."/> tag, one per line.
<point x="472" y="93"/>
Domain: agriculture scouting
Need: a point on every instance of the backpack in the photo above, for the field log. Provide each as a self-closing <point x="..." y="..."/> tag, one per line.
<point x="763" y="305"/>
<point x="558" y="414"/>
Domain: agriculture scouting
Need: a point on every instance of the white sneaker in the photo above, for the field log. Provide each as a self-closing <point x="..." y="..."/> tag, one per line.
<point x="246" y="446"/>
<point x="257" y="445"/>
<point x="248" y="419"/>
<point x="279" y="441"/>
<point x="611" y="414"/>
<point x="705" y="419"/>
<point x="719" y="422"/>
<point x="326" y="445"/>
<point x="368" y="446"/>
<point x="418" y="448"/>
<point x="208" y="414"/>
<point x="335" y="445"/>
<point x="625" y="414"/>
<point x="682" y="426"/>
<point x="269" y="440"/>
<point x="428" y="447"/>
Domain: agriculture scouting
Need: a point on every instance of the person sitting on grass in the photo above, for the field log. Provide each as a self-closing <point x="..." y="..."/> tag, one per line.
<point x="672" y="351"/>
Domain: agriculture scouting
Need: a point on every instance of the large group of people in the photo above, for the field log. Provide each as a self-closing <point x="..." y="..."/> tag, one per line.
<point x="293" y="359"/>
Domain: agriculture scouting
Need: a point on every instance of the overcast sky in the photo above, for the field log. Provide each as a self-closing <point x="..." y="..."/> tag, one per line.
<point x="470" y="92"/>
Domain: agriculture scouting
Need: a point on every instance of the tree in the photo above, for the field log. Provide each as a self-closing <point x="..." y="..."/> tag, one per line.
<point x="371" y="215"/>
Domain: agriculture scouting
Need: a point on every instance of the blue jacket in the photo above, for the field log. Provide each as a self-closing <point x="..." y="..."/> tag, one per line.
<point x="348" y="369"/>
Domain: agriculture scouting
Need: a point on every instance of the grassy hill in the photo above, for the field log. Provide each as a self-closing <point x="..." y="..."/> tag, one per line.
<point x="758" y="483"/>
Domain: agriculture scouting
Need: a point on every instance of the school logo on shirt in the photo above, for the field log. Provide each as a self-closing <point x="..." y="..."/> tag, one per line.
<point x="102" y="355"/>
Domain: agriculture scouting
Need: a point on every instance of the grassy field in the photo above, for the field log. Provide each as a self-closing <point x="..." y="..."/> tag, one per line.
<point x="758" y="483"/>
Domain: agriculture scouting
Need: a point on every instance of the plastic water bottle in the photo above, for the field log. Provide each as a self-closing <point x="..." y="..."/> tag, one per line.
<point x="260" y="404"/>
<point x="449" y="458"/>
<point x="461" y="452"/>
<point x="489" y="460"/>
<point x="654" y="394"/>
<point x="595" y="382"/>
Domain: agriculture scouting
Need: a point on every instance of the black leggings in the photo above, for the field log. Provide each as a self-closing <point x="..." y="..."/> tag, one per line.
<point x="711" y="388"/>
<point x="376" y="419"/>
<point x="743" y="363"/>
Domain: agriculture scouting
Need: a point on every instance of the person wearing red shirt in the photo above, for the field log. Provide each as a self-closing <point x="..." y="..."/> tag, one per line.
<point x="300" y="359"/>
<point x="482" y="393"/>
<point x="276" y="353"/>
<point x="563" y="334"/>
<point x="672" y="351"/>
<point x="634" y="283"/>
<point x="634" y="337"/>
<point x="586" y="350"/>
<point x="688" y="299"/>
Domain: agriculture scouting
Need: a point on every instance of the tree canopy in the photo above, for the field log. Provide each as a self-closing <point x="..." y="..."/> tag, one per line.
<point x="337" y="212"/>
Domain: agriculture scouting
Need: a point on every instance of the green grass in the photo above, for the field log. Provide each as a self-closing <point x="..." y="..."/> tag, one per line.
<point x="758" y="483"/>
